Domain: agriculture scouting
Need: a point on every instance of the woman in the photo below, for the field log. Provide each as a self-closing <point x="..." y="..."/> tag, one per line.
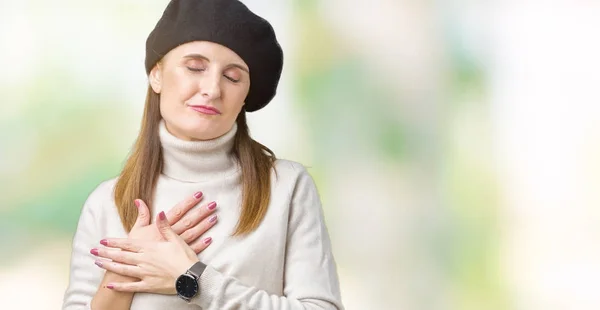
<point x="258" y="239"/>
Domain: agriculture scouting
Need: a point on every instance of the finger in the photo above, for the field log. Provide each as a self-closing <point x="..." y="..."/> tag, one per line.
<point x="124" y="257"/>
<point x="180" y="209"/>
<point x="165" y="229"/>
<point x="131" y="245"/>
<point x="131" y="287"/>
<point x="193" y="218"/>
<point x="195" y="232"/>
<point x="200" y="244"/>
<point x="143" y="218"/>
<point x="122" y="269"/>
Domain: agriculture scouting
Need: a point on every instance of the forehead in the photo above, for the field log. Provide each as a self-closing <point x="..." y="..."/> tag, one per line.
<point x="212" y="51"/>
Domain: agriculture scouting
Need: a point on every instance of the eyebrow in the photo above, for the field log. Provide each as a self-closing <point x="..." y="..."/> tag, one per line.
<point x="199" y="56"/>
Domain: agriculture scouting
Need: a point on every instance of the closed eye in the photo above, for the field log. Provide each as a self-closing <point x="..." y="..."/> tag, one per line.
<point x="203" y="69"/>
<point x="231" y="79"/>
<point x="196" y="69"/>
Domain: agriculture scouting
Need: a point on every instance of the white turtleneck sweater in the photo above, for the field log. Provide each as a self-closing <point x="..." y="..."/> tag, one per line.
<point x="286" y="263"/>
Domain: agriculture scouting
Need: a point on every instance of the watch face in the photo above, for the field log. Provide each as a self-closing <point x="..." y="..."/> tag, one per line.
<point x="186" y="286"/>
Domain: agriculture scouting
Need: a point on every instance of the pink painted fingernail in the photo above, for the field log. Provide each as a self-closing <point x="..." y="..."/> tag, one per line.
<point x="110" y="286"/>
<point x="198" y="195"/>
<point x="99" y="264"/>
<point x="212" y="219"/>
<point x="211" y="206"/>
<point x="94" y="251"/>
<point x="104" y="242"/>
<point x="162" y="215"/>
<point x="207" y="240"/>
<point x="137" y="203"/>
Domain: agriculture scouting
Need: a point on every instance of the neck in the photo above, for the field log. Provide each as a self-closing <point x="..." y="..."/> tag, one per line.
<point x="197" y="161"/>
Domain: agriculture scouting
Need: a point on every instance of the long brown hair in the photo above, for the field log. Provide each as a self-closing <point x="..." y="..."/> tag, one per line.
<point x="143" y="167"/>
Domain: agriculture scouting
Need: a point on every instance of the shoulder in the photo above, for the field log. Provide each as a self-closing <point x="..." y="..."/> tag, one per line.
<point x="289" y="166"/>
<point x="101" y="195"/>
<point x="288" y="169"/>
<point x="301" y="191"/>
<point x="93" y="211"/>
<point x="294" y="174"/>
<point x="103" y="190"/>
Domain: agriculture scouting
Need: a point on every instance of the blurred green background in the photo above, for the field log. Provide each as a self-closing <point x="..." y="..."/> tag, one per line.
<point x="455" y="144"/>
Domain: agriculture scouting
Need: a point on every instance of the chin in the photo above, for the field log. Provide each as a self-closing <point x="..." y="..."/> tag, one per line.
<point x="200" y="132"/>
<point x="190" y="128"/>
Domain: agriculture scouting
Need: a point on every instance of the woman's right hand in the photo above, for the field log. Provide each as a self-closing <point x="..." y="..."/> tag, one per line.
<point x="188" y="224"/>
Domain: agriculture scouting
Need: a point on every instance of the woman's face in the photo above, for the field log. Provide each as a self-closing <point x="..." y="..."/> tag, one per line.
<point x="202" y="87"/>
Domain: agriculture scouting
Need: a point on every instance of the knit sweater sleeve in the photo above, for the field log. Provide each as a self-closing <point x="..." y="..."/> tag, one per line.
<point x="310" y="280"/>
<point x="84" y="276"/>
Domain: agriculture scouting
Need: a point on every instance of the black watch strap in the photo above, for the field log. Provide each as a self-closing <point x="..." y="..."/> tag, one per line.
<point x="197" y="269"/>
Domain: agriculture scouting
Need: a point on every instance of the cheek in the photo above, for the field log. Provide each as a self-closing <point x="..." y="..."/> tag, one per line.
<point x="178" y="88"/>
<point x="235" y="98"/>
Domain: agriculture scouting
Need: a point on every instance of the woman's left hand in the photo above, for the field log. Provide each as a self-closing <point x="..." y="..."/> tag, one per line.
<point x="156" y="263"/>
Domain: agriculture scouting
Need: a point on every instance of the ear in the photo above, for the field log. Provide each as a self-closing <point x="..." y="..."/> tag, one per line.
<point x="155" y="78"/>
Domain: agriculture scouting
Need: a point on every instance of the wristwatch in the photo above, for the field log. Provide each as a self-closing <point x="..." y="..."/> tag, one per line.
<point x="187" y="285"/>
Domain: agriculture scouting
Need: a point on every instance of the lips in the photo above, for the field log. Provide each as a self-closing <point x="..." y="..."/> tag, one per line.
<point x="205" y="109"/>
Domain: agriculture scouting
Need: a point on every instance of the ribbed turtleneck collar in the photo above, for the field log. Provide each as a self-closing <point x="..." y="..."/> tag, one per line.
<point x="197" y="161"/>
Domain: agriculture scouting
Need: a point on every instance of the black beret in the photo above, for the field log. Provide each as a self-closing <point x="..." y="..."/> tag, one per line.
<point x="231" y="24"/>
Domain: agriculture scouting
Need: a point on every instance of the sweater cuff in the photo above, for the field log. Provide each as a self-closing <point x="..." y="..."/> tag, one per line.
<point x="209" y="284"/>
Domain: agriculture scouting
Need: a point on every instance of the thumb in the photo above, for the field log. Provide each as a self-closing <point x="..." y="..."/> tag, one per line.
<point x="143" y="217"/>
<point x="164" y="228"/>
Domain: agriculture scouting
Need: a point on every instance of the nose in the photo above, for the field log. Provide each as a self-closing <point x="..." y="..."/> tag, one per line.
<point x="210" y="86"/>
